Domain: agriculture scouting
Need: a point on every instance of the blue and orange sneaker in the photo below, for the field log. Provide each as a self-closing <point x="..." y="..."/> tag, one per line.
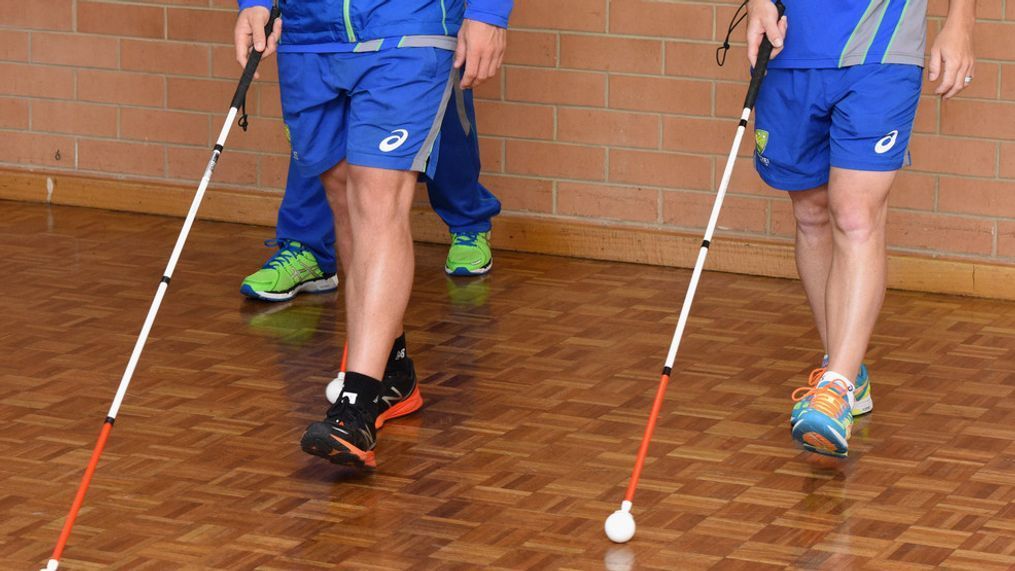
<point x="862" y="392"/>
<point x="825" y="419"/>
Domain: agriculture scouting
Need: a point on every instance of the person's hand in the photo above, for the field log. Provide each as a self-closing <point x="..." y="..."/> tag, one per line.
<point x="249" y="31"/>
<point x="763" y="20"/>
<point x="951" y="59"/>
<point x="481" y="50"/>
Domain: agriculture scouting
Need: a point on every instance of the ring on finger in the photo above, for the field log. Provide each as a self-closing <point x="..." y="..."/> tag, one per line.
<point x="968" y="79"/>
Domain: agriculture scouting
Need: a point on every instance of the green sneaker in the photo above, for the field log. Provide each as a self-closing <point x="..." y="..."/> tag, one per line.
<point x="293" y="269"/>
<point x="469" y="254"/>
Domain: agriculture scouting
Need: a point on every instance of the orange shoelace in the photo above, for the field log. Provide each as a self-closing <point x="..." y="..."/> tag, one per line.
<point x="831" y="399"/>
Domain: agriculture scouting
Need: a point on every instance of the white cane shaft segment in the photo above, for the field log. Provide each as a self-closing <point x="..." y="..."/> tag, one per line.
<point x="142" y="338"/>
<point x="699" y="264"/>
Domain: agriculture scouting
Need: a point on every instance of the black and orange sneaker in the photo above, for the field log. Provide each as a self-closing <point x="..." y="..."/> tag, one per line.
<point x="399" y="393"/>
<point x="348" y="434"/>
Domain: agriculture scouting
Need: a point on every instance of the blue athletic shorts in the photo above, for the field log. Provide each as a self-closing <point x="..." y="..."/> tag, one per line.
<point x="809" y="120"/>
<point x="377" y="109"/>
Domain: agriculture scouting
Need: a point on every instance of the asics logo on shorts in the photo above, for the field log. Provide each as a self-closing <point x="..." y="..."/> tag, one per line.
<point x="388" y="144"/>
<point x="886" y="143"/>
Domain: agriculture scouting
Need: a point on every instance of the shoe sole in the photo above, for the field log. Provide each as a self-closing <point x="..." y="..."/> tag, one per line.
<point x="322" y="285"/>
<point x="463" y="271"/>
<point x="813" y="439"/>
<point x="404" y="407"/>
<point x="325" y="445"/>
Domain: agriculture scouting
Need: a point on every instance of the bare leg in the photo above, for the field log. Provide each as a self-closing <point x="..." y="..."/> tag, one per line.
<point x="858" y="203"/>
<point x="337" y="198"/>
<point x="380" y="260"/>
<point x="814" y="250"/>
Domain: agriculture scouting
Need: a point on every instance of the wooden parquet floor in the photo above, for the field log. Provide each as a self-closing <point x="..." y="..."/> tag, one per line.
<point x="537" y="382"/>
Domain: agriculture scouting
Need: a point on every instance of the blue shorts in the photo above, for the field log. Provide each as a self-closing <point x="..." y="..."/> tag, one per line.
<point x="809" y="120"/>
<point x="376" y="109"/>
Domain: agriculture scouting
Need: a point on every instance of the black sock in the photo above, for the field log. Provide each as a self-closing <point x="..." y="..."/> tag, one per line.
<point x="398" y="358"/>
<point x="367" y="390"/>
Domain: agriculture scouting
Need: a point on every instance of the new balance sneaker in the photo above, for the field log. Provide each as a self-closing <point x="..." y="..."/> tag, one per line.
<point x="348" y="434"/>
<point x="399" y="396"/>
<point x="469" y="254"/>
<point x="863" y="402"/>
<point x="293" y="269"/>
<point x="825" y="419"/>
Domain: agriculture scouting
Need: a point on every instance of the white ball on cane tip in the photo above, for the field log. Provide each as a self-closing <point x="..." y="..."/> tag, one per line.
<point x="620" y="525"/>
<point x="51" y="565"/>
<point x="334" y="388"/>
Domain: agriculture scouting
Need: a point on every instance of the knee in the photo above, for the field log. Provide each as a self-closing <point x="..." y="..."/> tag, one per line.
<point x="377" y="198"/>
<point x="858" y="223"/>
<point x="811" y="215"/>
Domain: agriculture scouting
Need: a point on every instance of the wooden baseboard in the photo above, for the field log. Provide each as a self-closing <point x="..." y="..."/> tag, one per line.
<point x="516" y="232"/>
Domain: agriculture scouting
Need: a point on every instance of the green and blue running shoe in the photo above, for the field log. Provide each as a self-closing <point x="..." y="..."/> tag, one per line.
<point x="469" y="254"/>
<point x="863" y="403"/>
<point x="293" y="269"/>
<point x="824" y="423"/>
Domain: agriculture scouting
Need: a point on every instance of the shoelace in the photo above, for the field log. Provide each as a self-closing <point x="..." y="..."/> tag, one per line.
<point x="342" y="410"/>
<point x="831" y="399"/>
<point x="466" y="238"/>
<point x="286" y="254"/>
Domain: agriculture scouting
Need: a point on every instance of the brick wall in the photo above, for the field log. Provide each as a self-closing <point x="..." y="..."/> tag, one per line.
<point x="610" y="110"/>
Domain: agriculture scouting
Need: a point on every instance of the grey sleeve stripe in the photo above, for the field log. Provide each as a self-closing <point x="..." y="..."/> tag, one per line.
<point x="419" y="161"/>
<point x="856" y="47"/>
<point x="910" y="39"/>
<point x="440" y="42"/>
<point x="368" y="46"/>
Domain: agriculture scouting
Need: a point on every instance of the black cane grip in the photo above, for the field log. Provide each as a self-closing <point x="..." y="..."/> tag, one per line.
<point x="254" y="61"/>
<point x="764" y="54"/>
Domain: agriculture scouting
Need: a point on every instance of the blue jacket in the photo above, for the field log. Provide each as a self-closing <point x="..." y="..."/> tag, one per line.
<point x="309" y="23"/>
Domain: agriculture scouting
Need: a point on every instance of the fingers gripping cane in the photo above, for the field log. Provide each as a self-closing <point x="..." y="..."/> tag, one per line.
<point x="238" y="102"/>
<point x="620" y="525"/>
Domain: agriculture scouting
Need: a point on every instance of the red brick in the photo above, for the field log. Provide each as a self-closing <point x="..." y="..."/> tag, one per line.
<point x="188" y="163"/>
<point x="211" y="95"/>
<point x="39" y="14"/>
<point x="614" y="128"/>
<point x="953" y="156"/>
<point x="13" y="46"/>
<point x="269" y="101"/>
<point x="120" y="19"/>
<point x="213" y="26"/>
<point x="13" y="113"/>
<point x="491" y="154"/>
<point x="781" y="221"/>
<point x="161" y="126"/>
<point x="979" y="119"/>
<point x="119" y="157"/>
<point x="654" y="18"/>
<point x="75" y="49"/>
<point x="692" y="210"/>
<point x="913" y="190"/>
<point x="986" y="83"/>
<point x="1006" y="239"/>
<point x="611" y="54"/>
<point x="606" y="201"/>
<point x="492" y="90"/>
<point x="262" y="135"/>
<point x="74" y="117"/>
<point x="940" y="232"/>
<point x="531" y="48"/>
<point x="706" y="135"/>
<point x="927" y="113"/>
<point x="662" y="94"/>
<point x="37" y="149"/>
<point x="556" y="86"/>
<point x="556" y="160"/>
<point x="1007" y="80"/>
<point x="992" y="40"/>
<point x="669" y="170"/>
<point x="585" y="15"/>
<point x="174" y="58"/>
<point x="1008" y="160"/>
<point x="975" y="196"/>
<point x="515" y="119"/>
<point x="121" y="87"/>
<point x="518" y="193"/>
<point x="729" y="100"/>
<point x="36" y="81"/>
<point x="697" y="60"/>
<point x="273" y="170"/>
<point x="745" y="179"/>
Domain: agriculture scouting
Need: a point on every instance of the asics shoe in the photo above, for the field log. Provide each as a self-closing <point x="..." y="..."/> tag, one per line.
<point x="862" y="392"/>
<point x="469" y="254"/>
<point x="293" y="269"/>
<point x="348" y="434"/>
<point x="825" y="419"/>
